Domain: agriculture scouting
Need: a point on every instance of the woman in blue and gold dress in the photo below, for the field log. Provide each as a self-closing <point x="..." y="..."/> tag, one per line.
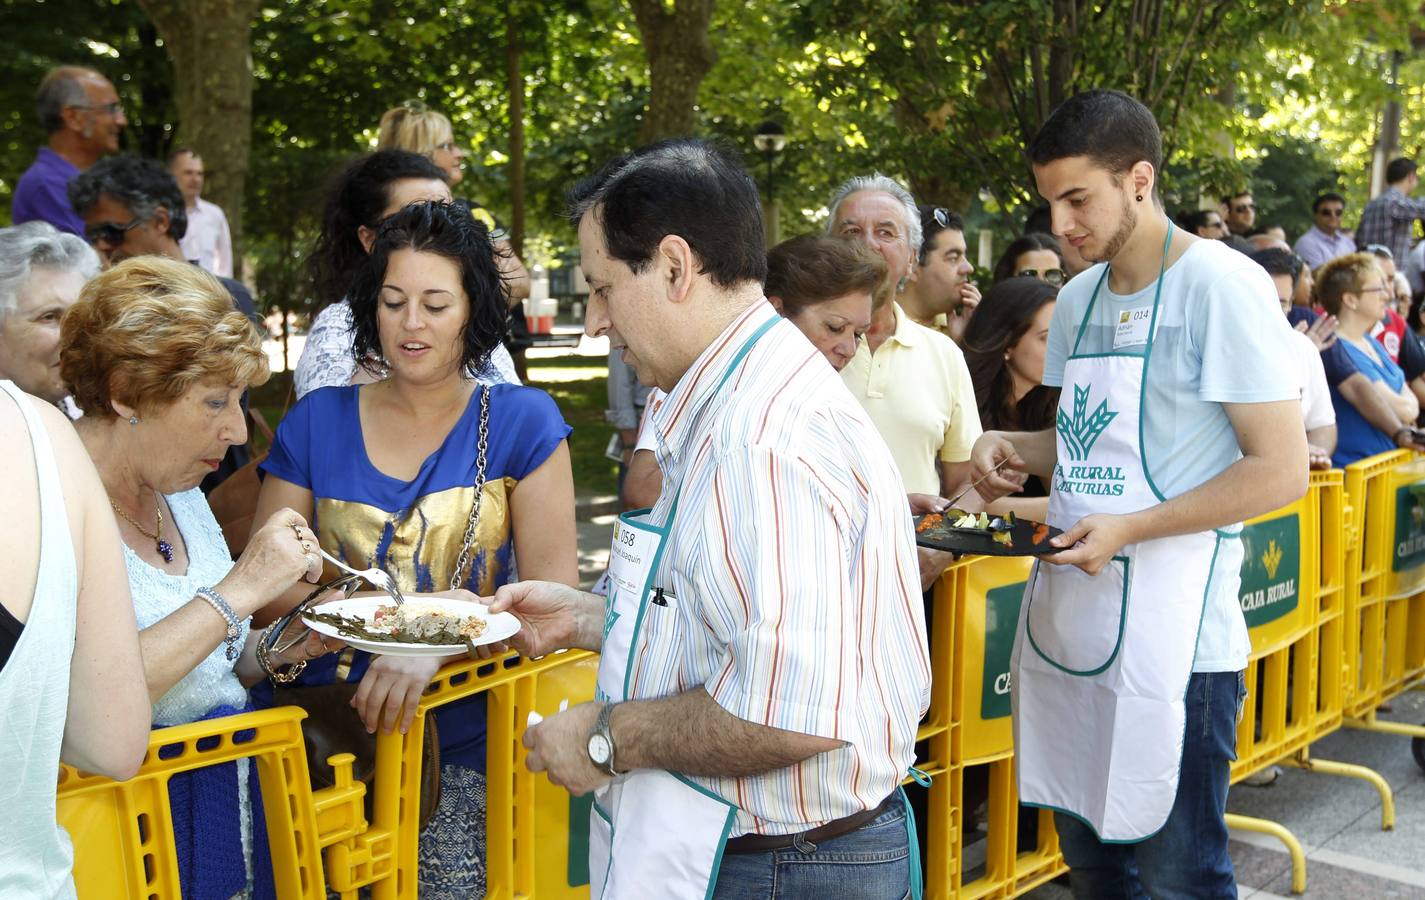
<point x="391" y="473"/>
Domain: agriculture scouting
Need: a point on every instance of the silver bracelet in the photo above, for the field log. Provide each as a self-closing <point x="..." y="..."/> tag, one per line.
<point x="234" y="625"/>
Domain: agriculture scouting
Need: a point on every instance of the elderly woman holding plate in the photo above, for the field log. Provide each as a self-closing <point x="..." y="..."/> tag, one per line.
<point x="156" y="357"/>
<point x="433" y="478"/>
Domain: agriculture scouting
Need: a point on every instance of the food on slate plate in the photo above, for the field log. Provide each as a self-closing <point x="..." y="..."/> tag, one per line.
<point x="1041" y="532"/>
<point x="998" y="527"/>
<point x="413" y="622"/>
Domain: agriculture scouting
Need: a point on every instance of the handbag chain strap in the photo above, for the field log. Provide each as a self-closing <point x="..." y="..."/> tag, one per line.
<point x="462" y="562"/>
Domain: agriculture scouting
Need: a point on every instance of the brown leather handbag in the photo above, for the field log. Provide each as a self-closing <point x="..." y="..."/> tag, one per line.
<point x="333" y="727"/>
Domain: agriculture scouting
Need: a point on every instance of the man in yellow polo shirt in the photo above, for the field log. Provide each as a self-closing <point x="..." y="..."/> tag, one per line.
<point x="911" y="380"/>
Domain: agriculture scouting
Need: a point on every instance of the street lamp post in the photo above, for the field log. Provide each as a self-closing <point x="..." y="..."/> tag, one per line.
<point x="770" y="139"/>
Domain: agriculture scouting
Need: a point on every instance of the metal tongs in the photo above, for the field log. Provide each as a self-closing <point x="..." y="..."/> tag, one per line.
<point x="967" y="490"/>
<point x="376" y="577"/>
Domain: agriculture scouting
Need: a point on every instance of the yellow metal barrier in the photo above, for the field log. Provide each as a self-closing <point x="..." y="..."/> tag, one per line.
<point x="123" y="831"/>
<point x="968" y="734"/>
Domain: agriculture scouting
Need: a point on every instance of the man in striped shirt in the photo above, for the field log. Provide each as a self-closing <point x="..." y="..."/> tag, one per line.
<point x="776" y="663"/>
<point x="1389" y="219"/>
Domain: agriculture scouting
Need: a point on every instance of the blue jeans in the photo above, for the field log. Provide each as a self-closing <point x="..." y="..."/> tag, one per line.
<point x="1188" y="857"/>
<point x="870" y="863"/>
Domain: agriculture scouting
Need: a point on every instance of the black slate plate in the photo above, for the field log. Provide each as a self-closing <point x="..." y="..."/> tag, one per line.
<point x="959" y="540"/>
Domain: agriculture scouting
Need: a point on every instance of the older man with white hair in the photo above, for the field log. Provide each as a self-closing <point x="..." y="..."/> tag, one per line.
<point x="41" y="273"/>
<point x="911" y="380"/>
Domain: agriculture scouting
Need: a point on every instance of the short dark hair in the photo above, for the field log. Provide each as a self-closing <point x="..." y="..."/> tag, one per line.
<point x="1039" y="221"/>
<point x="814" y="268"/>
<point x="1399" y="170"/>
<point x="1278" y="262"/>
<point x="143" y="185"/>
<point x="448" y="230"/>
<point x="1192" y="219"/>
<point x="688" y="187"/>
<point x="1028" y="243"/>
<point x="1228" y="198"/>
<point x="930" y="227"/>
<point x="1328" y="197"/>
<point x="357" y="196"/>
<point x="1111" y="128"/>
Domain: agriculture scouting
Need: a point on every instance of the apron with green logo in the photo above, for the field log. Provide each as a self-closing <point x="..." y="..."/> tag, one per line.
<point x="1101" y="663"/>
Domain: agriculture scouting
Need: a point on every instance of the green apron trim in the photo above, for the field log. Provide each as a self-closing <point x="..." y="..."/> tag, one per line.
<point x="917" y="877"/>
<point x="1122" y="621"/>
<point x="919" y="777"/>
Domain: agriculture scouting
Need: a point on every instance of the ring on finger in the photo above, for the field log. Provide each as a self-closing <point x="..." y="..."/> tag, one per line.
<point x="296" y="529"/>
<point x="307" y="547"/>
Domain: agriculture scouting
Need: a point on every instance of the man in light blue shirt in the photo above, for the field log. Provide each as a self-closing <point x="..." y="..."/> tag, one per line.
<point x="1325" y="241"/>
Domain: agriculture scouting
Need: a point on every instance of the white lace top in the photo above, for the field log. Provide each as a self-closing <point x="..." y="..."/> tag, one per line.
<point x="327" y="359"/>
<point x="158" y="594"/>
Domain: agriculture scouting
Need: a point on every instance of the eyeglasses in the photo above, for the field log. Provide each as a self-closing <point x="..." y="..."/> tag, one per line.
<point x="1330" y="213"/>
<point x="1055" y="277"/>
<point x="1373" y="290"/>
<point x="1243" y="207"/>
<point x="1381" y="250"/>
<point x="113" y="109"/>
<point x="109" y="233"/>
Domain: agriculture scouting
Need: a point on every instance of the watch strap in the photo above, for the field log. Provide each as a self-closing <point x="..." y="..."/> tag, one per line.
<point x="601" y="728"/>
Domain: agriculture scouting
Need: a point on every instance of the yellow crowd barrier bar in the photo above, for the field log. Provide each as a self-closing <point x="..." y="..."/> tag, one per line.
<point x="974" y="616"/>
<point x="123" y="831"/>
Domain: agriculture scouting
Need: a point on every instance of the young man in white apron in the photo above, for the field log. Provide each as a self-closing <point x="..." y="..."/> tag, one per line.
<point x="764" y="659"/>
<point x="1178" y="419"/>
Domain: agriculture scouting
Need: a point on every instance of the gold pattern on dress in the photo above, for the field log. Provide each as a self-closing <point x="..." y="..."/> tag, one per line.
<point x="420" y="545"/>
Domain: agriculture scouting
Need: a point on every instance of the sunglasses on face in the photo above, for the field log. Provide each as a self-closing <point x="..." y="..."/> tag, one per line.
<point x="1052" y="276"/>
<point x="1243" y="207"/>
<point x="109" y="233"/>
<point x="1330" y="213"/>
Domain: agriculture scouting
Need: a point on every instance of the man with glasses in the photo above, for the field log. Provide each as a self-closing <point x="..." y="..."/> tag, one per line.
<point x="1389" y="219"/>
<point x="939" y="293"/>
<point x="1325" y="241"/>
<point x="1240" y="213"/>
<point x="80" y="111"/>
<point x="133" y="207"/>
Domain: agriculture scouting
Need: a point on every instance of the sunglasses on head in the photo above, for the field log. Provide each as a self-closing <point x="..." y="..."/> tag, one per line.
<point x="109" y="233"/>
<point x="1052" y="276"/>
<point x="1380" y="250"/>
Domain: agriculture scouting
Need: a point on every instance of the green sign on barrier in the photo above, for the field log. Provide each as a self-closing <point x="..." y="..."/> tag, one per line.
<point x="580" y="808"/>
<point x="1001" y="620"/>
<point x="1409" y="528"/>
<point x="1271" y="569"/>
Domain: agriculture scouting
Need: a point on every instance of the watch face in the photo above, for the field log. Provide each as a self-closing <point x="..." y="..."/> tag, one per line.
<point x="599" y="749"/>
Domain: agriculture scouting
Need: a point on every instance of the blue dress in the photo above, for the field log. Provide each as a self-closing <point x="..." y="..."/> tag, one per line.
<point x="414" y="529"/>
<point x="1355" y="437"/>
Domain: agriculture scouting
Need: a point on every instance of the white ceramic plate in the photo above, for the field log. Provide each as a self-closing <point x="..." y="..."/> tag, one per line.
<point x="498" y="626"/>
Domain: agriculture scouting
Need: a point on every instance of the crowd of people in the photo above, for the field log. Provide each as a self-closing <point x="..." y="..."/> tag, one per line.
<point x="780" y="417"/>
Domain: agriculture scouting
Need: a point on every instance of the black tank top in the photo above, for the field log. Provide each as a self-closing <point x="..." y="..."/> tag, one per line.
<point x="10" y="628"/>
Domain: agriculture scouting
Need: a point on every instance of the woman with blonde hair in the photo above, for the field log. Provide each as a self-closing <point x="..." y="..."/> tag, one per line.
<point x="416" y="127"/>
<point x="156" y="356"/>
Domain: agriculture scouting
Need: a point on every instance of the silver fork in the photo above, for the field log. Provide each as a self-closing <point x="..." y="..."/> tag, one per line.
<point x="376" y="577"/>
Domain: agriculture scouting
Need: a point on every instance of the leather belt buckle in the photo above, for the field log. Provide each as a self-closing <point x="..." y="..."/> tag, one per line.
<point x="767" y="843"/>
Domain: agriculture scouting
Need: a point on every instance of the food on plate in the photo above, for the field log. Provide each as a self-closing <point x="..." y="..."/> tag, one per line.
<point x="413" y="622"/>
<point x="1041" y="532"/>
<point x="930" y="521"/>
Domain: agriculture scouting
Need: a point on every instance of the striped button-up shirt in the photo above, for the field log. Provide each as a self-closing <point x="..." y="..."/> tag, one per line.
<point x="790" y="573"/>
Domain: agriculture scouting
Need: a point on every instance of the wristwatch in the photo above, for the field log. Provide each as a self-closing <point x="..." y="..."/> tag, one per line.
<point x="601" y="741"/>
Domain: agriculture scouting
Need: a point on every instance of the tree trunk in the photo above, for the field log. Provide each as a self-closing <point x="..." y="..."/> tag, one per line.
<point x="515" y="86"/>
<point x="209" y="43"/>
<point x="680" y="55"/>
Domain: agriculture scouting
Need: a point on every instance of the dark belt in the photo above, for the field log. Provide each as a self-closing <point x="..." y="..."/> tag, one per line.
<point x="766" y="843"/>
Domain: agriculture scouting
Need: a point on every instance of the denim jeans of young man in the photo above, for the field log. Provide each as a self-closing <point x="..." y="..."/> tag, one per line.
<point x="870" y="863"/>
<point x="1188" y="857"/>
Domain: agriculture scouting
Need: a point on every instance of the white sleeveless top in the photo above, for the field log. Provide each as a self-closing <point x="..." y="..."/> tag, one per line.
<point x="35" y="854"/>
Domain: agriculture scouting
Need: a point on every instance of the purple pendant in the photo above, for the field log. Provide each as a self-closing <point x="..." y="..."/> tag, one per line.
<point x="165" y="549"/>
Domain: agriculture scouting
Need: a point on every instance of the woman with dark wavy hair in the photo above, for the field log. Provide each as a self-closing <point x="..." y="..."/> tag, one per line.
<point x="436" y="479"/>
<point x="1004" y="349"/>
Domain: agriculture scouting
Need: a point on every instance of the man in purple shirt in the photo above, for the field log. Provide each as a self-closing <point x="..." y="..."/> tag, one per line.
<point x="81" y="112"/>
<point x="1325" y="241"/>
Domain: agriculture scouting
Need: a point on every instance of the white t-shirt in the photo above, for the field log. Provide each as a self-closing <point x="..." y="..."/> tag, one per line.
<point x="1221" y="339"/>
<point x="1316" y="409"/>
